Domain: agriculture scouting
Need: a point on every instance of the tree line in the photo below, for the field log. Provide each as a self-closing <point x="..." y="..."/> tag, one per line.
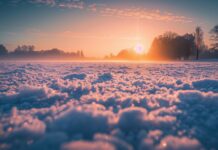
<point x="170" y="45"/>
<point x="28" y="51"/>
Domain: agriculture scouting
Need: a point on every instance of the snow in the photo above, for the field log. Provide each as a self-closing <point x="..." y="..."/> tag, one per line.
<point x="75" y="76"/>
<point x="178" y="143"/>
<point x="101" y="105"/>
<point x="84" y="145"/>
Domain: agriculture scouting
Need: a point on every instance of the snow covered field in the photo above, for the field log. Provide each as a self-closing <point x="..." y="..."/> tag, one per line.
<point x="110" y="106"/>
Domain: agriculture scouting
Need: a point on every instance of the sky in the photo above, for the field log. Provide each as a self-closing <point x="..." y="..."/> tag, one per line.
<point x="100" y="27"/>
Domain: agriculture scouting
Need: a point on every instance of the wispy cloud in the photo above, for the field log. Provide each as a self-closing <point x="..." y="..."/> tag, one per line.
<point x="79" y="5"/>
<point x="45" y="2"/>
<point x="104" y="10"/>
<point x="61" y="3"/>
<point x="138" y="13"/>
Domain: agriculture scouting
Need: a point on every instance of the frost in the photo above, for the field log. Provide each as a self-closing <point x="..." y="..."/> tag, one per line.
<point x="176" y="143"/>
<point x="104" y="77"/>
<point x="206" y="85"/>
<point x="85" y="145"/>
<point x="108" y="106"/>
<point x="75" y="76"/>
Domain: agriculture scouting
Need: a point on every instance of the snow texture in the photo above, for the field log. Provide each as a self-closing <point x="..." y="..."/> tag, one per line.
<point x="109" y="106"/>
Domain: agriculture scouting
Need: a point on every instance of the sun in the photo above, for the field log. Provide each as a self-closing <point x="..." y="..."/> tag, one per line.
<point x="139" y="48"/>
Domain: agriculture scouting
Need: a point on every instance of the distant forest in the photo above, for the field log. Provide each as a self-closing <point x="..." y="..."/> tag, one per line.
<point x="169" y="46"/>
<point x="29" y="52"/>
<point x="172" y="46"/>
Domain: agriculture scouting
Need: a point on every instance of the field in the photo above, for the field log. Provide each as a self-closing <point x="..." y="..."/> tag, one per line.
<point x="96" y="105"/>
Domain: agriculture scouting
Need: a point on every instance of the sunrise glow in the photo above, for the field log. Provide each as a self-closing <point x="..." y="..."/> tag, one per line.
<point x="97" y="28"/>
<point x="139" y="48"/>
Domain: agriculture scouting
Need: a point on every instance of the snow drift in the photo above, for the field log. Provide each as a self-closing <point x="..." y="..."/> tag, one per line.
<point x="108" y="106"/>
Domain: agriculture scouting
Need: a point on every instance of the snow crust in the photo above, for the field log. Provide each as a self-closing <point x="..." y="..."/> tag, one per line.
<point x="112" y="106"/>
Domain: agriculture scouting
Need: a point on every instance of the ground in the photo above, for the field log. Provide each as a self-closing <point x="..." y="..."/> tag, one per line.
<point x="109" y="105"/>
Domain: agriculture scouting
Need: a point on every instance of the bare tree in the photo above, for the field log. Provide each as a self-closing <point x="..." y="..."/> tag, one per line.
<point x="214" y="37"/>
<point x="199" y="36"/>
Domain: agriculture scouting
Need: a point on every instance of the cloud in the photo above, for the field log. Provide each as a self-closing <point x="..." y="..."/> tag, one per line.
<point x="72" y="4"/>
<point x="45" y="2"/>
<point x="61" y="3"/>
<point x="138" y="13"/>
<point x="104" y="10"/>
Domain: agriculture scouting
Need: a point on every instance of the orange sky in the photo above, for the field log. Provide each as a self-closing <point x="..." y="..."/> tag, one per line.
<point x="96" y="28"/>
<point x="103" y="36"/>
